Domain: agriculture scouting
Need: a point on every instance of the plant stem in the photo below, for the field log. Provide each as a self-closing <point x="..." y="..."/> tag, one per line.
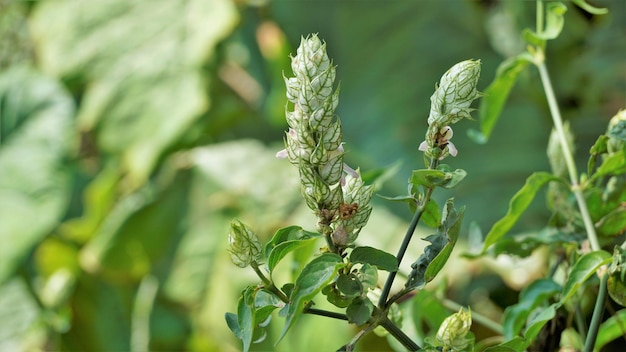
<point x="399" y="335"/>
<point x="325" y="313"/>
<point x="596" y="319"/>
<point x="567" y="153"/>
<point x="382" y="303"/>
<point x="269" y="285"/>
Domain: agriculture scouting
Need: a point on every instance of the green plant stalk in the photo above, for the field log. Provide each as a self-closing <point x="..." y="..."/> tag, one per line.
<point x="325" y="313"/>
<point x="269" y="285"/>
<point x="596" y="319"/>
<point x="144" y="300"/>
<point x="382" y="302"/>
<point x="399" y="335"/>
<point x="567" y="153"/>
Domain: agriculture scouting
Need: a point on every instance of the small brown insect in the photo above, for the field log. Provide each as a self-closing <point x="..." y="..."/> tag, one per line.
<point x="348" y="210"/>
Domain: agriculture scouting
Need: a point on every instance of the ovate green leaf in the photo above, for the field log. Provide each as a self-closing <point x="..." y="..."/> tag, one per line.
<point x="318" y="273"/>
<point x="245" y="316"/>
<point x="428" y="177"/>
<point x="518" y="204"/>
<point x="285" y="241"/>
<point x="614" y="223"/>
<point x="585" y="267"/>
<point x="382" y="260"/>
<point x="612" y="165"/>
<point x="359" y="311"/>
<point x="36" y="134"/>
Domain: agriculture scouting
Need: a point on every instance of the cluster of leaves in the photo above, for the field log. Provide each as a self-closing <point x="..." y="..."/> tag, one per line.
<point x="348" y="283"/>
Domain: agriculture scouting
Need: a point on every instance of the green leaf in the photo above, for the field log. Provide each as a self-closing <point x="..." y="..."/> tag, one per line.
<point x="612" y="165"/>
<point x="286" y="240"/>
<point x="518" y="204"/>
<point x="435" y="255"/>
<point x="553" y="25"/>
<point x="428" y="178"/>
<point x="138" y="105"/>
<point x="614" y="223"/>
<point x="36" y="135"/>
<point x="589" y="8"/>
<point x="555" y="12"/>
<point x="408" y="199"/>
<point x="535" y="325"/>
<point x="598" y="148"/>
<point x="431" y="216"/>
<point x="431" y="178"/>
<point x="318" y="273"/>
<point x="616" y="287"/>
<point x="368" y="276"/>
<point x="233" y="323"/>
<point x="585" y="267"/>
<point x="531" y="297"/>
<point x="245" y="316"/>
<point x="496" y="94"/>
<point x="141" y="230"/>
<point x="451" y="229"/>
<point x="349" y="285"/>
<point x="382" y="260"/>
<point x="517" y="344"/>
<point x="359" y="311"/>
<point x="454" y="177"/>
<point x="611" y="329"/>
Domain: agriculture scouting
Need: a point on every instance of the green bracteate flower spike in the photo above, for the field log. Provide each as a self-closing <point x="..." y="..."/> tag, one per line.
<point x="331" y="189"/>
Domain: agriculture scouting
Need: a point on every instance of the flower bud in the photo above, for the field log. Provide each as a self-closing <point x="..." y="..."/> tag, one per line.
<point x="449" y="104"/>
<point x="453" y="97"/>
<point x="617" y="132"/>
<point x="245" y="247"/>
<point x="452" y="332"/>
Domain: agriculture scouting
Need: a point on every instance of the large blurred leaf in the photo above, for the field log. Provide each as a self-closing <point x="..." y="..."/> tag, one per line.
<point x="142" y="62"/>
<point x="35" y="134"/>
<point x="18" y="318"/>
<point x="140" y="231"/>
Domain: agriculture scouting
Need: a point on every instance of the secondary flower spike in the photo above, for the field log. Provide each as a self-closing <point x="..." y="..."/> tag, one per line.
<point x="448" y="105"/>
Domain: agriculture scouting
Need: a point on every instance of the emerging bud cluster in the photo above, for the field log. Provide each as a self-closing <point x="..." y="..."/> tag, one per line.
<point x="245" y="247"/>
<point x="453" y="331"/>
<point x="449" y="104"/>
<point x="313" y="143"/>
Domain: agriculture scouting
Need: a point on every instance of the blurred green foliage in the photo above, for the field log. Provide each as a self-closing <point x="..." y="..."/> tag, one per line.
<point x="132" y="132"/>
